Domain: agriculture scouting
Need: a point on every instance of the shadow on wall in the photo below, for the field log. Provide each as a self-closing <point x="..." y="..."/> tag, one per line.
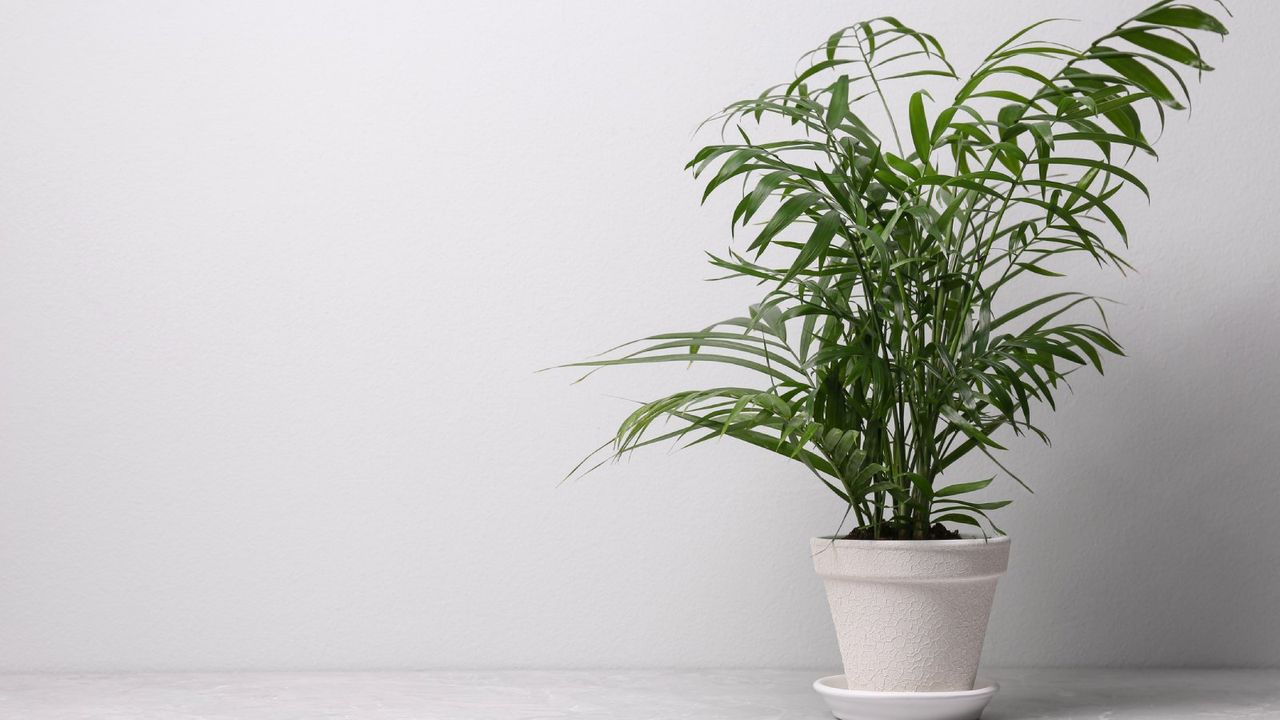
<point x="1178" y="564"/>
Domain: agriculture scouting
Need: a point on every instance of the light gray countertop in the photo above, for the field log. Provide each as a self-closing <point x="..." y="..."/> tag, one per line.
<point x="608" y="695"/>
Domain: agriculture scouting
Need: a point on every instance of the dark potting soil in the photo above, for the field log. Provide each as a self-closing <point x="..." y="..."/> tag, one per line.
<point x="937" y="532"/>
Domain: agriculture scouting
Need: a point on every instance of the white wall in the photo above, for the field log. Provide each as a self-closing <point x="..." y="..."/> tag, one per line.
<point x="275" y="277"/>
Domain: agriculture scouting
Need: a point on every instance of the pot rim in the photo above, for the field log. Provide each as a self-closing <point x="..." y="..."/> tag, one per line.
<point x="962" y="541"/>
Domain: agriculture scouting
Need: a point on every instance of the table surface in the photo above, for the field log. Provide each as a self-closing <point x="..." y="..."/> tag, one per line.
<point x="1025" y="694"/>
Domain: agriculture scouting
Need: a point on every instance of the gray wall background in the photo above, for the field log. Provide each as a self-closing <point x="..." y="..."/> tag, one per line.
<point x="275" y="277"/>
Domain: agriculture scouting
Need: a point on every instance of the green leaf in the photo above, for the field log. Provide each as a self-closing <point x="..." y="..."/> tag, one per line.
<point x="957" y="518"/>
<point x="752" y="201"/>
<point x="920" y="127"/>
<point x="787" y="214"/>
<point x="815" y="249"/>
<point x="968" y="428"/>
<point x="902" y="166"/>
<point x="687" y="358"/>
<point x="1171" y="49"/>
<point x="1184" y="16"/>
<point x="1133" y="70"/>
<point x="814" y="70"/>
<point x="963" y="488"/>
<point x="963" y="505"/>
<point x="838" y="104"/>
<point x="1038" y="270"/>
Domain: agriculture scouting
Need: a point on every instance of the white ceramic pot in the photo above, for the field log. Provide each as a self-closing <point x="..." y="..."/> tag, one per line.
<point x="910" y="615"/>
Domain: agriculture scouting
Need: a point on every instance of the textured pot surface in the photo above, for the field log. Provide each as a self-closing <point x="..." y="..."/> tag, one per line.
<point x="910" y="615"/>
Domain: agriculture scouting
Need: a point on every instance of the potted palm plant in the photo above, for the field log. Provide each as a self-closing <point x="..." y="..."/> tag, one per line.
<point x="883" y="343"/>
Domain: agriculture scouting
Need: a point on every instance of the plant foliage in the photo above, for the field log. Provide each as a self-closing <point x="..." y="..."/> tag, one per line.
<point x="883" y="353"/>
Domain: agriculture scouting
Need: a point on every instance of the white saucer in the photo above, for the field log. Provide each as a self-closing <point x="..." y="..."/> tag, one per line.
<point x="871" y="705"/>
